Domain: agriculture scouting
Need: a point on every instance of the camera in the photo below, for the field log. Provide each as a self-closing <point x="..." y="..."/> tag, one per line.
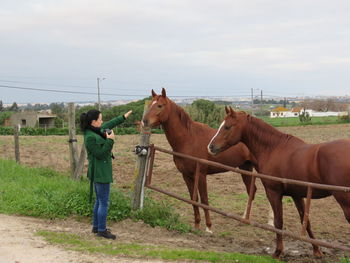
<point x="108" y="131"/>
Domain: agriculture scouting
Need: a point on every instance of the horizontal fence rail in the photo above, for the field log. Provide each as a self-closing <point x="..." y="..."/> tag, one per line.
<point x="254" y="175"/>
<point x="263" y="176"/>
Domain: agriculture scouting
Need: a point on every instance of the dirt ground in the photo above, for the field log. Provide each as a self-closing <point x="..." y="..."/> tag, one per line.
<point x="226" y="192"/>
<point x="19" y="244"/>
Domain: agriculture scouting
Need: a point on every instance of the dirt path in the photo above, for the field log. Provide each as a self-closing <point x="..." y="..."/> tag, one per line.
<point x="19" y="244"/>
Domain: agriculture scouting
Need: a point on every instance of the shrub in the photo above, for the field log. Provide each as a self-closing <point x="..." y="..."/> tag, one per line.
<point x="304" y="117"/>
<point x="161" y="214"/>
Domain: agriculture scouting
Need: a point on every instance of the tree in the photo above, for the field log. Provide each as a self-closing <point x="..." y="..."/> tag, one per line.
<point x="57" y="108"/>
<point x="206" y="111"/>
<point x="304" y="117"/>
<point x="205" y="106"/>
<point x="14" y="107"/>
<point x="1" y="106"/>
<point x="324" y="105"/>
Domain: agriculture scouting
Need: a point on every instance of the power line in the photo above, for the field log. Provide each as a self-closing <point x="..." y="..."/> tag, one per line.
<point x="109" y="94"/>
<point x="126" y="95"/>
<point x="67" y="91"/>
<point x="58" y="85"/>
<point x="48" y="84"/>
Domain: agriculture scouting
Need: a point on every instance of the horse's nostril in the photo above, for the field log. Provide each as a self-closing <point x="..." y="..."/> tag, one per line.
<point x="211" y="147"/>
<point x="145" y="122"/>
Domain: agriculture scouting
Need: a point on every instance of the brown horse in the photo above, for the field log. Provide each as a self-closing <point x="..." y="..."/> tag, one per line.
<point x="283" y="155"/>
<point x="190" y="137"/>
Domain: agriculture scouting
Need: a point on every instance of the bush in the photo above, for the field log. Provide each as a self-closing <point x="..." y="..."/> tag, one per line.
<point x="345" y="118"/>
<point x="4" y="115"/>
<point x="64" y="131"/>
<point x="161" y="214"/>
<point x="6" y="130"/>
<point x="304" y="117"/>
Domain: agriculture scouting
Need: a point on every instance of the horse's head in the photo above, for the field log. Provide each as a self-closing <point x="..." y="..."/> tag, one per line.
<point x="158" y="110"/>
<point x="228" y="134"/>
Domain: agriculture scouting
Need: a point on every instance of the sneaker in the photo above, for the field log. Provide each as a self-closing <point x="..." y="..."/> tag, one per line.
<point x="106" y="234"/>
<point x="95" y="230"/>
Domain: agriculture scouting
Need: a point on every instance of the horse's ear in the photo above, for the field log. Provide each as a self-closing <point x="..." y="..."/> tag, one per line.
<point x="153" y="93"/>
<point x="227" y="110"/>
<point x="232" y="112"/>
<point x="163" y="93"/>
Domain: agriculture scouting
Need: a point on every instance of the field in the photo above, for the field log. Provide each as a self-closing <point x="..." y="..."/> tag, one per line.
<point x="226" y="191"/>
<point x="283" y="122"/>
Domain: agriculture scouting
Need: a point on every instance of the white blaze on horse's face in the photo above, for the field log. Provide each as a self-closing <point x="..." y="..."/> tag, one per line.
<point x="216" y="134"/>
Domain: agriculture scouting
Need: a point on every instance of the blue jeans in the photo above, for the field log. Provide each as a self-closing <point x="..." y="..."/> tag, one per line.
<point x="101" y="206"/>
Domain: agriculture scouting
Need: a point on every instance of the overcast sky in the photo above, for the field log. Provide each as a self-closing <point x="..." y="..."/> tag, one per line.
<point x="207" y="48"/>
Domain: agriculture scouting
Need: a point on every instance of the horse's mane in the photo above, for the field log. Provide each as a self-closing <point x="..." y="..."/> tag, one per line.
<point x="184" y="117"/>
<point x="266" y="134"/>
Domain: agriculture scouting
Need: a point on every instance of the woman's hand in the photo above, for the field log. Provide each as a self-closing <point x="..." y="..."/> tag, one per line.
<point x="126" y="115"/>
<point x="110" y="136"/>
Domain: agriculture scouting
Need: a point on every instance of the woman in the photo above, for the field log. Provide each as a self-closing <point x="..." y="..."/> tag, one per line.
<point x="99" y="144"/>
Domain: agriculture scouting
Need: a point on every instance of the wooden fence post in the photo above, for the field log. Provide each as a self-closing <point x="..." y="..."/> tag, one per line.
<point x="16" y="135"/>
<point x="141" y="166"/>
<point x="72" y="138"/>
<point x="80" y="166"/>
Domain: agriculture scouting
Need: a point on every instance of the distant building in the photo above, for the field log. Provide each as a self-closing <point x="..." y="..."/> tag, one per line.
<point x="295" y="112"/>
<point x="279" y="112"/>
<point x="32" y="119"/>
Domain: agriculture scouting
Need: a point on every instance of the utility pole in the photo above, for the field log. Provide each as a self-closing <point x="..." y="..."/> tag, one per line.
<point x="98" y="92"/>
<point x="252" y="102"/>
<point x="261" y="102"/>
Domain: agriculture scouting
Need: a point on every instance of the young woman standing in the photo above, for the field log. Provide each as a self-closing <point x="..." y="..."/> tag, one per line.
<point x="99" y="144"/>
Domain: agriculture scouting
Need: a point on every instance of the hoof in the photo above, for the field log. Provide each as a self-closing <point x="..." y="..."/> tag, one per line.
<point x="277" y="254"/>
<point x="208" y="230"/>
<point x="318" y="253"/>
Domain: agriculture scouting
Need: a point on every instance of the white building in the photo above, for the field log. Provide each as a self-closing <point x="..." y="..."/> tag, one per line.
<point x="295" y="112"/>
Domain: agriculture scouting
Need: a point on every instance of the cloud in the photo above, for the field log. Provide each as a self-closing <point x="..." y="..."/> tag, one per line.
<point x="177" y="41"/>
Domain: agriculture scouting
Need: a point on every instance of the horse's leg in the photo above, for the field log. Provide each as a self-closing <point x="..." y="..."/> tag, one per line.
<point x="343" y="200"/>
<point x="247" y="180"/>
<point x="203" y="191"/>
<point x="275" y="199"/>
<point x="300" y="205"/>
<point x="190" y="184"/>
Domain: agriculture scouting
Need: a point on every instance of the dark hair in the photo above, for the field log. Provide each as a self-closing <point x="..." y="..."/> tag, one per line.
<point x="87" y="118"/>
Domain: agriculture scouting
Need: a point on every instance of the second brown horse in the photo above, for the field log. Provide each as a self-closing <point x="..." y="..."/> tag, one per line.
<point x="189" y="137"/>
<point x="285" y="156"/>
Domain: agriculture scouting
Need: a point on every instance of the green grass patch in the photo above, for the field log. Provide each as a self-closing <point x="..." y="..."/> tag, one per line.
<point x="45" y="193"/>
<point x="283" y="122"/>
<point x="345" y="260"/>
<point x="161" y="214"/>
<point x="77" y="243"/>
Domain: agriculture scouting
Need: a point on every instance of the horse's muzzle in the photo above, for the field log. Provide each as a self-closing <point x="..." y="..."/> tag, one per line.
<point x="145" y="123"/>
<point x="213" y="150"/>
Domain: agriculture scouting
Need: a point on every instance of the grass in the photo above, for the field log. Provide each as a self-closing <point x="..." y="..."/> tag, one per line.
<point x="77" y="243"/>
<point x="280" y="122"/>
<point x="45" y="193"/>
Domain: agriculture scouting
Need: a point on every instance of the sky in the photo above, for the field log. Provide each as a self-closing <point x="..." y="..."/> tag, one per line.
<point x="221" y="48"/>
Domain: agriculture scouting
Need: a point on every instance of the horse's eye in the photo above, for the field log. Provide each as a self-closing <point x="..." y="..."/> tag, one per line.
<point x="227" y="127"/>
<point x="159" y="106"/>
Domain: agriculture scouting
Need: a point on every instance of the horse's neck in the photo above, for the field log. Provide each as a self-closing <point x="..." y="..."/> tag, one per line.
<point x="261" y="138"/>
<point x="176" y="131"/>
